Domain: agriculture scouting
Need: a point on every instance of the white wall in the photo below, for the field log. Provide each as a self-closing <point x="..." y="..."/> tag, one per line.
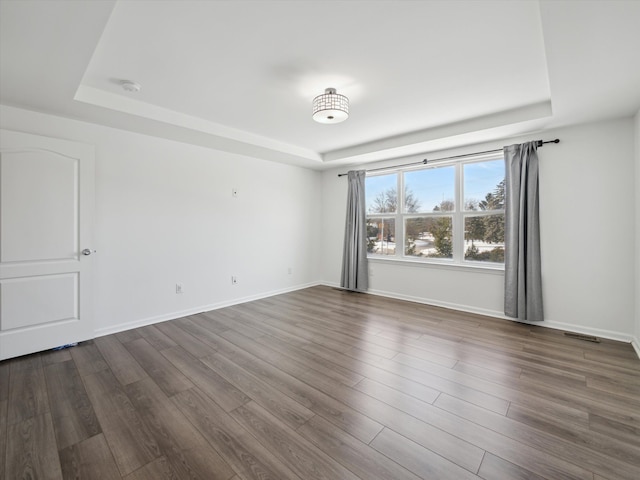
<point x="587" y="191"/>
<point x="165" y="215"/>
<point x="637" y="244"/>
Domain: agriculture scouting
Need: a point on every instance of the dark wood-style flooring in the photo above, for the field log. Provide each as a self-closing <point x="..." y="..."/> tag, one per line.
<point x="324" y="384"/>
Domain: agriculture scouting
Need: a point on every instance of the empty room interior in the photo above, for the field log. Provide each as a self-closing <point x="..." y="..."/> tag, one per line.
<point x="319" y="240"/>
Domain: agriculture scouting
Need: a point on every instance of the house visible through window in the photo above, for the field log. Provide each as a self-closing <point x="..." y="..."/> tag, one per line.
<point x="452" y="213"/>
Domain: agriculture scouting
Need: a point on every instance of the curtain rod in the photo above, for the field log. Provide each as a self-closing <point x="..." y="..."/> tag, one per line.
<point x="424" y="162"/>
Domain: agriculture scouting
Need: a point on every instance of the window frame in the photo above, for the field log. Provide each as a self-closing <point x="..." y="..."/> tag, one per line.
<point x="458" y="216"/>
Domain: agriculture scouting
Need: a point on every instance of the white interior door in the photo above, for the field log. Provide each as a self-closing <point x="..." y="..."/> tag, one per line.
<point x="46" y="209"/>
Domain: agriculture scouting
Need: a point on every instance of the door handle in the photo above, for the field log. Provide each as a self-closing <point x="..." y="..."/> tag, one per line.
<point x="87" y="251"/>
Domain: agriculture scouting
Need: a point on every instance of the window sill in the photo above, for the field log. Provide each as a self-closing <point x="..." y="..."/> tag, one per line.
<point x="474" y="268"/>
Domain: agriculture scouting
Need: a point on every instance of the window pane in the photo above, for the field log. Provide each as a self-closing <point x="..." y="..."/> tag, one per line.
<point x="381" y="236"/>
<point x="484" y="185"/>
<point x="430" y="190"/>
<point x="381" y="193"/>
<point x="484" y="238"/>
<point x="428" y="237"/>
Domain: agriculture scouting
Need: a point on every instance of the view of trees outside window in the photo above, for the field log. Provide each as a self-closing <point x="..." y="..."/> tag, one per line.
<point x="484" y="192"/>
<point x="428" y="213"/>
<point x="430" y="236"/>
<point x="381" y="198"/>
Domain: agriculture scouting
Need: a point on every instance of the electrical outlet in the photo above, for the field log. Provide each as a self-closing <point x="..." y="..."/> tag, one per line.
<point x="234" y="280"/>
<point x="179" y="288"/>
<point x="290" y="271"/>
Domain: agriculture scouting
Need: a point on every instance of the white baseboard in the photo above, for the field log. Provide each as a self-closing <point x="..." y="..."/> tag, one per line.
<point x="636" y="345"/>
<point x="597" y="332"/>
<point x="121" y="327"/>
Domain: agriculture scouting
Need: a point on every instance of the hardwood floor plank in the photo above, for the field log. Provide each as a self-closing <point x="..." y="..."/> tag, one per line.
<point x="128" y="336"/>
<point x="277" y="403"/>
<point x="508" y="389"/>
<point x="304" y="458"/>
<point x="554" y="377"/>
<point x="187" y="341"/>
<point x="224" y="393"/>
<point x="198" y="327"/>
<point x="418" y="390"/>
<point x="614" y="429"/>
<point x="191" y="464"/>
<point x="216" y="320"/>
<point x="125" y="368"/>
<point x="218" y="325"/>
<point x="353" y="422"/>
<point x="480" y="436"/>
<point x="31" y="449"/>
<point x="156" y="338"/>
<point x="419" y="460"/>
<point x="3" y="436"/>
<point x="533" y="390"/>
<point x="128" y="437"/>
<point x="249" y="318"/>
<point x="337" y="413"/>
<point x="159" y="469"/>
<point x="579" y="395"/>
<point x="27" y="389"/>
<point x="309" y="360"/>
<point x="199" y="463"/>
<point x="176" y="438"/>
<point x="55" y="356"/>
<point x="577" y="436"/>
<point x="4" y="379"/>
<point x="397" y="340"/>
<point x="88" y="358"/>
<point x="248" y="457"/>
<point x="161" y="370"/>
<point x="338" y="340"/>
<point x="451" y="447"/>
<point x="459" y="386"/>
<point x="270" y="355"/>
<point x="363" y="460"/>
<point x="73" y="417"/>
<point x="596" y="461"/>
<point x="608" y="359"/>
<point x="616" y="386"/>
<point x="500" y="375"/>
<point x="495" y="468"/>
<point x="91" y="459"/>
<point x="357" y="344"/>
<point x="539" y="358"/>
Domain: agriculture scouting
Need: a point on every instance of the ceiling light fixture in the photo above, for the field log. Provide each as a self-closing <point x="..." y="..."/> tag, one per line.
<point x="330" y="107"/>
<point x="130" y="86"/>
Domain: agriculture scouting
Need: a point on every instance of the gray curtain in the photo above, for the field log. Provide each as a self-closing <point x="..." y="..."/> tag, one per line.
<point x="523" y="277"/>
<point x="355" y="271"/>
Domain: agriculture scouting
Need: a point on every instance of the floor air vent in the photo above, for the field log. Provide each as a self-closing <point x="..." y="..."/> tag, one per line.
<point x="586" y="338"/>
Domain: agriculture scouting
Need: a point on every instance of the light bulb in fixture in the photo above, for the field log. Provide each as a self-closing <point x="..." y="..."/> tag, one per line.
<point x="330" y="107"/>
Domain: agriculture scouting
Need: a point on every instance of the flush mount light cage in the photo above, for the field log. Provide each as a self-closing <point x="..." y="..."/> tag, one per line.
<point x="330" y="107"/>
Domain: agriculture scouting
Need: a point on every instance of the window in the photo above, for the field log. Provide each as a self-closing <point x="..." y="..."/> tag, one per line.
<point x="452" y="213"/>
